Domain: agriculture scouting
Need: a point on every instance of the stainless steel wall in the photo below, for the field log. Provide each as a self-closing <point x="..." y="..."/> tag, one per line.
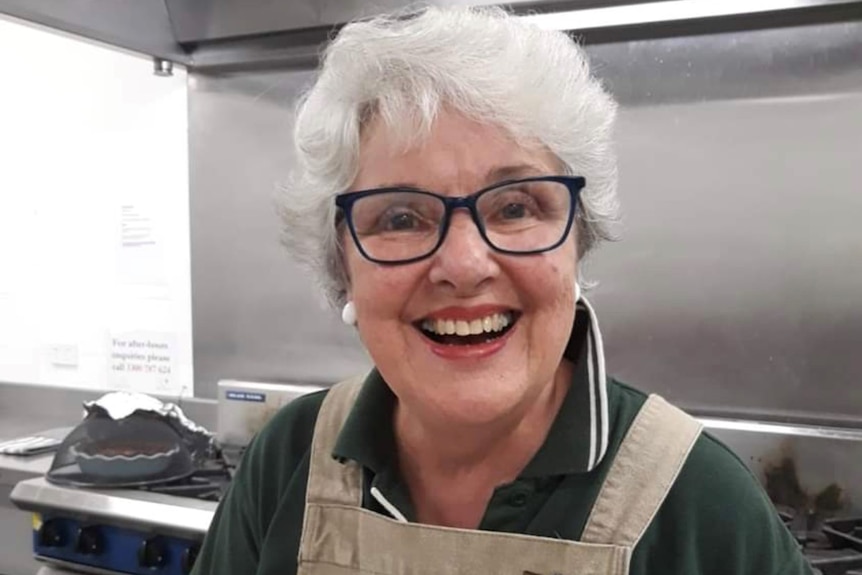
<point x="737" y="287"/>
<point x="255" y="314"/>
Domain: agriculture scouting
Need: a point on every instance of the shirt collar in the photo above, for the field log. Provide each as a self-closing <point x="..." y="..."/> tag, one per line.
<point x="576" y="443"/>
<point x="578" y="438"/>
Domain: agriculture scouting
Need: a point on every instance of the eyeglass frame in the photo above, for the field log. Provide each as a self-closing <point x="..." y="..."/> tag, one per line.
<point x="345" y="201"/>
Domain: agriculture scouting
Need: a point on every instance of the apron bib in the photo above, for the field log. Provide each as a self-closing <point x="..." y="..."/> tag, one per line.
<point x="341" y="538"/>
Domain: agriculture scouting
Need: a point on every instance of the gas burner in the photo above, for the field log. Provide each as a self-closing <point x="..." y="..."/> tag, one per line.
<point x="833" y="546"/>
<point x="834" y="561"/>
<point x="845" y="532"/>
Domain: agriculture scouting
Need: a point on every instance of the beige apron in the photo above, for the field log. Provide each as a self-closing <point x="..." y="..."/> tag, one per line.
<point x="339" y="537"/>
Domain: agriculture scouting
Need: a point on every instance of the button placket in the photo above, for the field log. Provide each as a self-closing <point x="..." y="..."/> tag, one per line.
<point x="518" y="499"/>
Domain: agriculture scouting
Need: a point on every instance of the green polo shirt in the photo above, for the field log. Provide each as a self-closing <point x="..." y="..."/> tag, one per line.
<point x="716" y="520"/>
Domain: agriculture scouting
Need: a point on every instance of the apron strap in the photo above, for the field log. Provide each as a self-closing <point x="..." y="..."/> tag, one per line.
<point x="329" y="480"/>
<point x="648" y="462"/>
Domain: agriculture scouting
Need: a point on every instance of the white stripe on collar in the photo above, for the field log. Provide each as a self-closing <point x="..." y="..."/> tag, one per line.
<point x="599" y="424"/>
<point x="388" y="506"/>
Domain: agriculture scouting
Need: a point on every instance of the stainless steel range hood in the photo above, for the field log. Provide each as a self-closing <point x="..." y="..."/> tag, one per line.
<point x="223" y="35"/>
<point x="138" y="25"/>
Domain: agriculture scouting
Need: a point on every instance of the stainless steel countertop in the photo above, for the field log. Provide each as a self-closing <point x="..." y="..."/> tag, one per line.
<point x="14" y="468"/>
<point x="12" y="427"/>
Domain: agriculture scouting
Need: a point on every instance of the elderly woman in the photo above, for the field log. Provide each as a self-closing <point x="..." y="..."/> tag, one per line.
<point x="455" y="167"/>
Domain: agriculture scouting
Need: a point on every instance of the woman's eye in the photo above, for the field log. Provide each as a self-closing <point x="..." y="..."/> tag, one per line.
<point x="401" y="222"/>
<point x="513" y="211"/>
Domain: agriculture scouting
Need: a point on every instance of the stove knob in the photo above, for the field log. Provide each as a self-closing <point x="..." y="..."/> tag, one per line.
<point x="51" y="534"/>
<point x="187" y="561"/>
<point x="89" y="541"/>
<point x="152" y="553"/>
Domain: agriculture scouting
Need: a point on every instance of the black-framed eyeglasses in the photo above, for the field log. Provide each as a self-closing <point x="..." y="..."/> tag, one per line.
<point x="403" y="225"/>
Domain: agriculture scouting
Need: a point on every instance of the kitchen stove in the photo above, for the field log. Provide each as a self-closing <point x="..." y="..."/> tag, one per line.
<point x="153" y="529"/>
<point x="832" y="546"/>
<point x="156" y="529"/>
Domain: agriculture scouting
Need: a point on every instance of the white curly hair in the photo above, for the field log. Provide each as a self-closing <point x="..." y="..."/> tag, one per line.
<point x="401" y="69"/>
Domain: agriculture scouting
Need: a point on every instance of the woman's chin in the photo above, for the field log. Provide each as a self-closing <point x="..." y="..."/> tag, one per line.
<point x="459" y="385"/>
<point x="473" y="402"/>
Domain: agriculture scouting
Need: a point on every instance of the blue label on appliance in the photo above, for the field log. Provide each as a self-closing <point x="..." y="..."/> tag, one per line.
<point x="246" y="396"/>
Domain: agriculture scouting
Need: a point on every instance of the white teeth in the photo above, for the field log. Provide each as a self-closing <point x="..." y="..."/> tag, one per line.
<point x="476" y="327"/>
<point x="492" y="323"/>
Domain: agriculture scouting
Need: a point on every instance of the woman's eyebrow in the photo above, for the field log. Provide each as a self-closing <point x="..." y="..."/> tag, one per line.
<point x="513" y="171"/>
<point x="403" y="185"/>
<point x="411" y="187"/>
<point x="495" y="174"/>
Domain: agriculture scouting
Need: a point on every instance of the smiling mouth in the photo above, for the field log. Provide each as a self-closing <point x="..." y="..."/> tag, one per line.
<point x="468" y="332"/>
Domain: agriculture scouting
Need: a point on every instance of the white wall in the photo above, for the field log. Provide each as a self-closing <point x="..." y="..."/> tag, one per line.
<point x="94" y="234"/>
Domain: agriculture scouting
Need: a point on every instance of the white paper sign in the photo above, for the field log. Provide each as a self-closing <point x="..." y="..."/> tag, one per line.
<point x="143" y="361"/>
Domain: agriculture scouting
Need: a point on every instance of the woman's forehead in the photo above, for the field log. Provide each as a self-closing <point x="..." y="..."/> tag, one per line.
<point x="456" y="150"/>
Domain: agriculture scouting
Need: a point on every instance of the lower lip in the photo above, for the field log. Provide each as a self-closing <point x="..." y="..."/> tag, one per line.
<point x="473" y="351"/>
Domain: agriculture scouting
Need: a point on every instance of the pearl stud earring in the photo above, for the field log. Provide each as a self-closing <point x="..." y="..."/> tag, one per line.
<point x="348" y="313"/>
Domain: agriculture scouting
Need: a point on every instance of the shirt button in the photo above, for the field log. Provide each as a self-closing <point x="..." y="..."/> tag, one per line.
<point x="518" y="499"/>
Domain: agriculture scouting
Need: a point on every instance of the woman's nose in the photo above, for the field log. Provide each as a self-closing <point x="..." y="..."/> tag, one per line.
<point x="464" y="260"/>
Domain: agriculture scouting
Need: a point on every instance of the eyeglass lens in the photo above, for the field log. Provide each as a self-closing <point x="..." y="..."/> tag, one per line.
<point x="520" y="217"/>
